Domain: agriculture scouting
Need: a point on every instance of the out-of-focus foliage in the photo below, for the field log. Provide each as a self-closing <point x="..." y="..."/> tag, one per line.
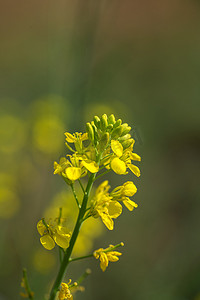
<point x="62" y="63"/>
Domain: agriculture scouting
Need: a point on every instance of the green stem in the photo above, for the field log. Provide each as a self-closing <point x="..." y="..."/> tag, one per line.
<point x="68" y="252"/>
<point x="102" y="174"/>
<point x="74" y="193"/>
<point x="27" y="287"/>
<point x="81" y="257"/>
<point x="81" y="185"/>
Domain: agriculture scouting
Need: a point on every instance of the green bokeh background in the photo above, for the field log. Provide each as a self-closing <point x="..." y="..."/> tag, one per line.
<point x="62" y="62"/>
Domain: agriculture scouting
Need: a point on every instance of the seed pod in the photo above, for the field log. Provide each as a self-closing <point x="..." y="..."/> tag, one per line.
<point x="116" y="132"/>
<point x="90" y="131"/>
<point x="127" y="143"/>
<point x="104" y="141"/>
<point x="96" y="121"/>
<point x="111" y="119"/>
<point x="103" y="122"/>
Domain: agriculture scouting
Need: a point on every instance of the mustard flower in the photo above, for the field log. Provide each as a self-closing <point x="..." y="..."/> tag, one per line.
<point x="64" y="292"/>
<point x="122" y="193"/>
<point x="75" y="167"/>
<point x="53" y="234"/>
<point x="121" y="159"/>
<point x="103" y="206"/>
<point x="106" y="255"/>
<point x="76" y="138"/>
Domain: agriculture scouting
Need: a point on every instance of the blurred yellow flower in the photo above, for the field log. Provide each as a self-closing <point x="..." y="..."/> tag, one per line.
<point x="64" y="292"/>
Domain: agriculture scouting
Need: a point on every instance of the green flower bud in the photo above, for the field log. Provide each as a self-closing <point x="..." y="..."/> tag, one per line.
<point x="90" y="131"/>
<point x="127" y="143"/>
<point x="117" y="123"/>
<point x="116" y="132"/>
<point x="110" y="127"/>
<point x="104" y="121"/>
<point x="104" y="141"/>
<point x="111" y="119"/>
<point x="96" y="136"/>
<point x="124" y="137"/>
<point x="126" y="129"/>
<point x="96" y="121"/>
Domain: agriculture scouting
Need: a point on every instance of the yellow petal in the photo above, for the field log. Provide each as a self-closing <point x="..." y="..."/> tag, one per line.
<point x="62" y="240"/>
<point x="118" y="166"/>
<point x="134" y="169"/>
<point x="130" y="204"/>
<point x="41" y="227"/>
<point x="107" y="220"/>
<point x="47" y="242"/>
<point x="112" y="256"/>
<point x="114" y="209"/>
<point x="129" y="188"/>
<point x="73" y="173"/>
<point x="135" y="156"/>
<point x="91" y="166"/>
<point x="103" y="261"/>
<point x="69" y="137"/>
<point x="117" y="148"/>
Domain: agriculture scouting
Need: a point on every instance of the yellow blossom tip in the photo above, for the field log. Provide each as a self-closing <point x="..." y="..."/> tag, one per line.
<point x="88" y="271"/>
<point x="122" y="244"/>
<point x="75" y="283"/>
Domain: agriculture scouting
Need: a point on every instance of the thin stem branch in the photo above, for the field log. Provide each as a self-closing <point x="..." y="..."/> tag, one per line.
<point x="102" y="174"/>
<point x="81" y="185"/>
<point x="74" y="193"/>
<point x="26" y="285"/>
<point x="81" y="257"/>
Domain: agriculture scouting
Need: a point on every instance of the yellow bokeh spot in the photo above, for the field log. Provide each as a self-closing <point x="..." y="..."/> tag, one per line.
<point x="47" y="135"/>
<point x="12" y="134"/>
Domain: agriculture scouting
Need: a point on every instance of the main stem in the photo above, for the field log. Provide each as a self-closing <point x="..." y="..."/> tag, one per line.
<point x="67" y="255"/>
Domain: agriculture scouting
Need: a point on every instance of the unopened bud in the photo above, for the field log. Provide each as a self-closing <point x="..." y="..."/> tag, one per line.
<point x="104" y="121"/>
<point x="117" y="123"/>
<point x="116" y="132"/>
<point x="90" y="131"/>
<point x="110" y="127"/>
<point x="126" y="129"/>
<point x="104" y="141"/>
<point x="96" y="121"/>
<point x="111" y="119"/>
<point x="124" y="137"/>
<point x="127" y="143"/>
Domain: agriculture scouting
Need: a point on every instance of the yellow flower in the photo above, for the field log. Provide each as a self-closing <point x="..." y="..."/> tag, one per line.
<point x="121" y="159"/>
<point x="121" y="193"/>
<point x="64" y="292"/>
<point x="106" y="255"/>
<point x="76" y="167"/>
<point x="103" y="206"/>
<point x="53" y="234"/>
<point x="76" y="138"/>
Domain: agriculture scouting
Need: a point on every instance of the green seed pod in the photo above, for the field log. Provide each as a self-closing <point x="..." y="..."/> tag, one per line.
<point x="104" y="141"/>
<point x="111" y="119"/>
<point x="90" y="131"/>
<point x="96" y="121"/>
<point x="127" y="143"/>
<point x="104" y="122"/>
<point x="116" y="132"/>
<point x="117" y="123"/>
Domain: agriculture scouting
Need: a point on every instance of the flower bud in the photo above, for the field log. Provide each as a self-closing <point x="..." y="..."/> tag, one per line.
<point x="90" y="131"/>
<point x="104" y="141"/>
<point x="110" y="127"/>
<point x="127" y="143"/>
<point x="126" y="129"/>
<point x="117" y="123"/>
<point x="124" y="137"/>
<point x="104" y="121"/>
<point x="96" y="121"/>
<point x="116" y="132"/>
<point x="111" y="119"/>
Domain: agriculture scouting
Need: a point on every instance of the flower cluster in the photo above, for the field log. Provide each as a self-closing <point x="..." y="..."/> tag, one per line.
<point x="108" y="144"/>
<point x="106" y="255"/>
<point x="53" y="233"/>
<point x="106" y="205"/>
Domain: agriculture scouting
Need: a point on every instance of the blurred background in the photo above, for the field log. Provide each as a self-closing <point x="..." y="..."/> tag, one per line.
<point x="62" y="62"/>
